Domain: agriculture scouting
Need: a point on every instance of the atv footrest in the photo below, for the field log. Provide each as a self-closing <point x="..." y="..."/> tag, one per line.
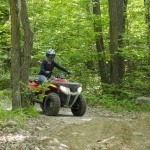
<point x="37" y="101"/>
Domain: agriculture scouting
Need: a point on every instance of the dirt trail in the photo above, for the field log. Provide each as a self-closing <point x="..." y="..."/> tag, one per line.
<point x="99" y="129"/>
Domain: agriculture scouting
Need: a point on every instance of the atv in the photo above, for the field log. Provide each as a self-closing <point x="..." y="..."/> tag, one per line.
<point x="58" y="93"/>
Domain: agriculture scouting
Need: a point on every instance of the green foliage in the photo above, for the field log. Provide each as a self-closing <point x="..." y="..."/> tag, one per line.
<point x="19" y="115"/>
<point x="5" y="99"/>
<point x="137" y="83"/>
<point x="5" y="81"/>
<point x="64" y="27"/>
<point x="135" y="35"/>
<point x="116" y="105"/>
<point x="121" y="97"/>
<point x="109" y="101"/>
<point x="67" y="26"/>
<point x="4" y="46"/>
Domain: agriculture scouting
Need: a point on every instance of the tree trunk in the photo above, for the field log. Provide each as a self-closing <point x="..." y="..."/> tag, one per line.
<point x="26" y="51"/>
<point x="100" y="43"/>
<point x="15" y="54"/>
<point x="116" y="11"/>
<point x="20" y="56"/>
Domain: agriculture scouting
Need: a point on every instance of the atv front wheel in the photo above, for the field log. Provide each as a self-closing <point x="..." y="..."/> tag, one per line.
<point x="79" y="107"/>
<point x="52" y="104"/>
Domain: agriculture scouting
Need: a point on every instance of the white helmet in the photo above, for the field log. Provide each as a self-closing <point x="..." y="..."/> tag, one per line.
<point x="50" y="52"/>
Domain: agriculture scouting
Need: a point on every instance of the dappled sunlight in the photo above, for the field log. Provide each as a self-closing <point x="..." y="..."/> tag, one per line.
<point x="19" y="142"/>
<point x="19" y="138"/>
<point x="9" y="138"/>
<point x="5" y="101"/>
<point x="5" y="105"/>
<point x="86" y="119"/>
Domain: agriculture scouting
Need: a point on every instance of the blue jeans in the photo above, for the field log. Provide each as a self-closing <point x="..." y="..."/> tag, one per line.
<point x="42" y="78"/>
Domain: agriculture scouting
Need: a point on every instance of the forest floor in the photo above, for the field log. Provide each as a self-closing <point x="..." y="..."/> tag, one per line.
<point x="98" y="129"/>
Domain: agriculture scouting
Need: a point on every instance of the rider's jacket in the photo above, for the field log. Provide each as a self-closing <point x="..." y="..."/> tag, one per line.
<point x="49" y="66"/>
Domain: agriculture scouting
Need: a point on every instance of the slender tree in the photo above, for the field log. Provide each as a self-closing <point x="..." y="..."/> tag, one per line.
<point x="15" y="54"/>
<point x="26" y="50"/>
<point x="100" y="42"/>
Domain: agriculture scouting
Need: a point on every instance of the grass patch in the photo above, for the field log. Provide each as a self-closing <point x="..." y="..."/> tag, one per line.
<point x="20" y="115"/>
<point x="116" y="105"/>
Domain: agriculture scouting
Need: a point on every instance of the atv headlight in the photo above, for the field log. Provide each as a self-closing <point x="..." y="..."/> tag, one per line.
<point x="79" y="89"/>
<point x="65" y="90"/>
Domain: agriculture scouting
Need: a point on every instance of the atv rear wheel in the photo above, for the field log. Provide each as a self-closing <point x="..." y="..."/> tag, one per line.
<point x="52" y="104"/>
<point x="79" y="107"/>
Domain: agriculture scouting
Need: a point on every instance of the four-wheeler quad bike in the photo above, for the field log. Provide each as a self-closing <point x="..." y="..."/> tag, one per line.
<point x="59" y="93"/>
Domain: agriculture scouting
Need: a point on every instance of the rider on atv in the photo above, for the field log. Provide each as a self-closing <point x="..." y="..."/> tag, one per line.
<point x="48" y="65"/>
<point x="59" y="92"/>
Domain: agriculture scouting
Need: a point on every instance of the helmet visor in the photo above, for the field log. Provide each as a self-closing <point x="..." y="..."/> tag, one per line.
<point x="51" y="56"/>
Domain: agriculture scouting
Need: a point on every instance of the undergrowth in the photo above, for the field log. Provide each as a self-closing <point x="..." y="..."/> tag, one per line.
<point x="117" y="105"/>
<point x="122" y="97"/>
<point x="19" y="115"/>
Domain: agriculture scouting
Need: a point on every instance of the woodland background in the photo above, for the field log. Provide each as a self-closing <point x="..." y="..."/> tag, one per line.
<point x="105" y="43"/>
